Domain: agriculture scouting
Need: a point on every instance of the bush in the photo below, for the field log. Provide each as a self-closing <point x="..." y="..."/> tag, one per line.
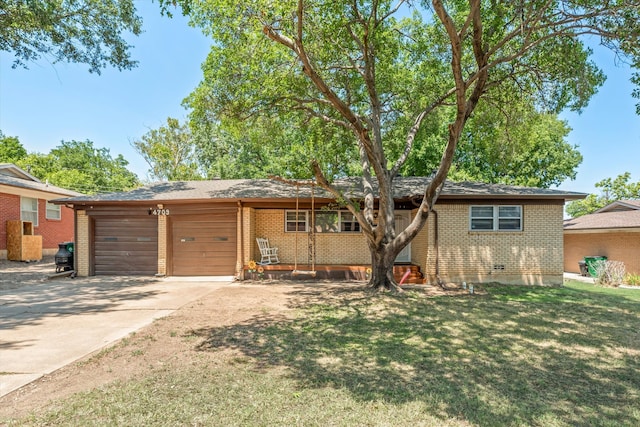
<point x="609" y="273"/>
<point x="632" y="279"/>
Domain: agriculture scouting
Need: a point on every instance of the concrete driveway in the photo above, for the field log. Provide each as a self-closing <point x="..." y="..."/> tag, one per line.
<point x="48" y="325"/>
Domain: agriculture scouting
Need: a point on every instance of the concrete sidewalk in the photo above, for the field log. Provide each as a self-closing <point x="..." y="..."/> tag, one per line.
<point x="578" y="277"/>
<point x="47" y="326"/>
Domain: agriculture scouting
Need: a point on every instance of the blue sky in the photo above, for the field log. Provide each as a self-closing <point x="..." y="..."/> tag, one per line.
<point x="49" y="103"/>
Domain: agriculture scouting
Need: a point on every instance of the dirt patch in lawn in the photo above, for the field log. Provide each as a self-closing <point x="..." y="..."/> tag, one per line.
<point x="16" y="274"/>
<point x="169" y="341"/>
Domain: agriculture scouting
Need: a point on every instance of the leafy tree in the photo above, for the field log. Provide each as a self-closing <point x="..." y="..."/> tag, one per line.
<point x="11" y="150"/>
<point x="78" y="166"/>
<point x="273" y="146"/>
<point x="170" y="152"/>
<point x="521" y="147"/>
<point x="395" y="74"/>
<point x="610" y="191"/>
<point x="83" y="31"/>
<point x="518" y="147"/>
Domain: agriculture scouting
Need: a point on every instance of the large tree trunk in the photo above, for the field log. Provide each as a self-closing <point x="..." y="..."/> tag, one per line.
<point x="382" y="261"/>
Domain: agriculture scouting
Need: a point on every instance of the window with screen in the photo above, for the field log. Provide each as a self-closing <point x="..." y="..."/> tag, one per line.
<point x="495" y="218"/>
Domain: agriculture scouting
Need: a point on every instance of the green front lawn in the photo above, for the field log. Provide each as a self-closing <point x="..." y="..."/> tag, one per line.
<point x="509" y="355"/>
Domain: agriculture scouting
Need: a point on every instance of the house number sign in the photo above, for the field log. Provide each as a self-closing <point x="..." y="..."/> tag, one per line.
<point x="159" y="212"/>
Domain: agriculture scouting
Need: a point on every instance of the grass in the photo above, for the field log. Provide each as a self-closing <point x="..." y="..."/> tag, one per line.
<point x="515" y="356"/>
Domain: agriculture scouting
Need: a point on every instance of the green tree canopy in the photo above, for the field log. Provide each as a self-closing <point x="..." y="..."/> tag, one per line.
<point x="170" y="152"/>
<point x="518" y="147"/>
<point x="11" y="150"/>
<point x="77" y="165"/>
<point x="274" y="146"/>
<point x="611" y="190"/>
<point x="398" y="76"/>
<point x="82" y="31"/>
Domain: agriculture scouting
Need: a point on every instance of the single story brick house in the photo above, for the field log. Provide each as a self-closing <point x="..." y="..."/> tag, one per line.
<point x="613" y="231"/>
<point x="24" y="197"/>
<point x="482" y="232"/>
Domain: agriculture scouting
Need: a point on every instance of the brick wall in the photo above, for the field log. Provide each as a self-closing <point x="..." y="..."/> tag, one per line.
<point x="239" y="251"/>
<point x="331" y="248"/>
<point x="616" y="246"/>
<point x="53" y="231"/>
<point x="249" y="236"/>
<point x="162" y="244"/>
<point x="531" y="256"/>
<point x="82" y="249"/>
<point x="9" y="210"/>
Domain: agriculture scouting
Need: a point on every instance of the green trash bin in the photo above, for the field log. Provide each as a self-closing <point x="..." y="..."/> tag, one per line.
<point x="591" y="262"/>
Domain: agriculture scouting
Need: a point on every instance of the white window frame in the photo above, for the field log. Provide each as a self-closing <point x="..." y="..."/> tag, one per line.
<point x="56" y="209"/>
<point x="354" y="221"/>
<point x="495" y="218"/>
<point x="29" y="209"/>
<point x="295" y="221"/>
<point x="307" y="219"/>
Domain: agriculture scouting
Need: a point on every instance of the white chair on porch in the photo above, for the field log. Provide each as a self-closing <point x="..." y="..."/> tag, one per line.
<point x="268" y="254"/>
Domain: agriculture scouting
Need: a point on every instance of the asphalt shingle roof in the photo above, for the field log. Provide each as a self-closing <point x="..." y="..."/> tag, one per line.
<point x="243" y="189"/>
<point x="604" y="220"/>
<point x="35" y="185"/>
<point x="620" y="205"/>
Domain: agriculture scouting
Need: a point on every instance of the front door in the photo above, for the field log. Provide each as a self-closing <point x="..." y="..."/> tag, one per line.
<point x="402" y="220"/>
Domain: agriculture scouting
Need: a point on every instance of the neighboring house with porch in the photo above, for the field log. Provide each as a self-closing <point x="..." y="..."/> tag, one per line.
<point x="481" y="233"/>
<point x="613" y="231"/>
<point x="24" y="197"/>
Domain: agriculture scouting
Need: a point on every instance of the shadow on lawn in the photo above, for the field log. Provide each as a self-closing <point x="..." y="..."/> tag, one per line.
<point x="515" y="356"/>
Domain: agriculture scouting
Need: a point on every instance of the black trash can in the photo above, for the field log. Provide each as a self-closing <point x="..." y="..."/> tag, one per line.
<point x="583" y="268"/>
<point x="64" y="257"/>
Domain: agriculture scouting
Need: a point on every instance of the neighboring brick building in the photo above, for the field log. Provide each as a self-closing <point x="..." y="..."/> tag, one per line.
<point x="24" y="197"/>
<point x="484" y="232"/>
<point x="613" y="231"/>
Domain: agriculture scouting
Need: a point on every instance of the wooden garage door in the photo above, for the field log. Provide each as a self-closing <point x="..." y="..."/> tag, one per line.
<point x="124" y="246"/>
<point x="204" y="245"/>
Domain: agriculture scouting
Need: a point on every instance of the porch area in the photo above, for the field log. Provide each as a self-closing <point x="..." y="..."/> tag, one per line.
<point x="334" y="272"/>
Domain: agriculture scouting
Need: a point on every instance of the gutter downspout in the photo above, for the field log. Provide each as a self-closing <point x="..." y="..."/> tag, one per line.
<point x="437" y="247"/>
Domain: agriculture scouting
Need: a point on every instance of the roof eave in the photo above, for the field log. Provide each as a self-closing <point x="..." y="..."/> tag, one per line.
<point x="602" y="230"/>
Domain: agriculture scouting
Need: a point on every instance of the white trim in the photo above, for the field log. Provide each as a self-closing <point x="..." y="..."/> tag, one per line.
<point x="27" y="192"/>
<point x="22" y="209"/>
<point x="495" y="218"/>
<point x="308" y="220"/>
<point x="53" y="208"/>
<point x="611" y="207"/>
<point x="296" y="221"/>
<point x="10" y="169"/>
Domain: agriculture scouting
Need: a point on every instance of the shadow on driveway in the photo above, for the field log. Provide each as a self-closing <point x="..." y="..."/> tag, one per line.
<point x="46" y="324"/>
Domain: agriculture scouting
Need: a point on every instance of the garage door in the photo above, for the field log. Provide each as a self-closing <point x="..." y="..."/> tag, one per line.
<point x="126" y="246"/>
<point x="204" y="245"/>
